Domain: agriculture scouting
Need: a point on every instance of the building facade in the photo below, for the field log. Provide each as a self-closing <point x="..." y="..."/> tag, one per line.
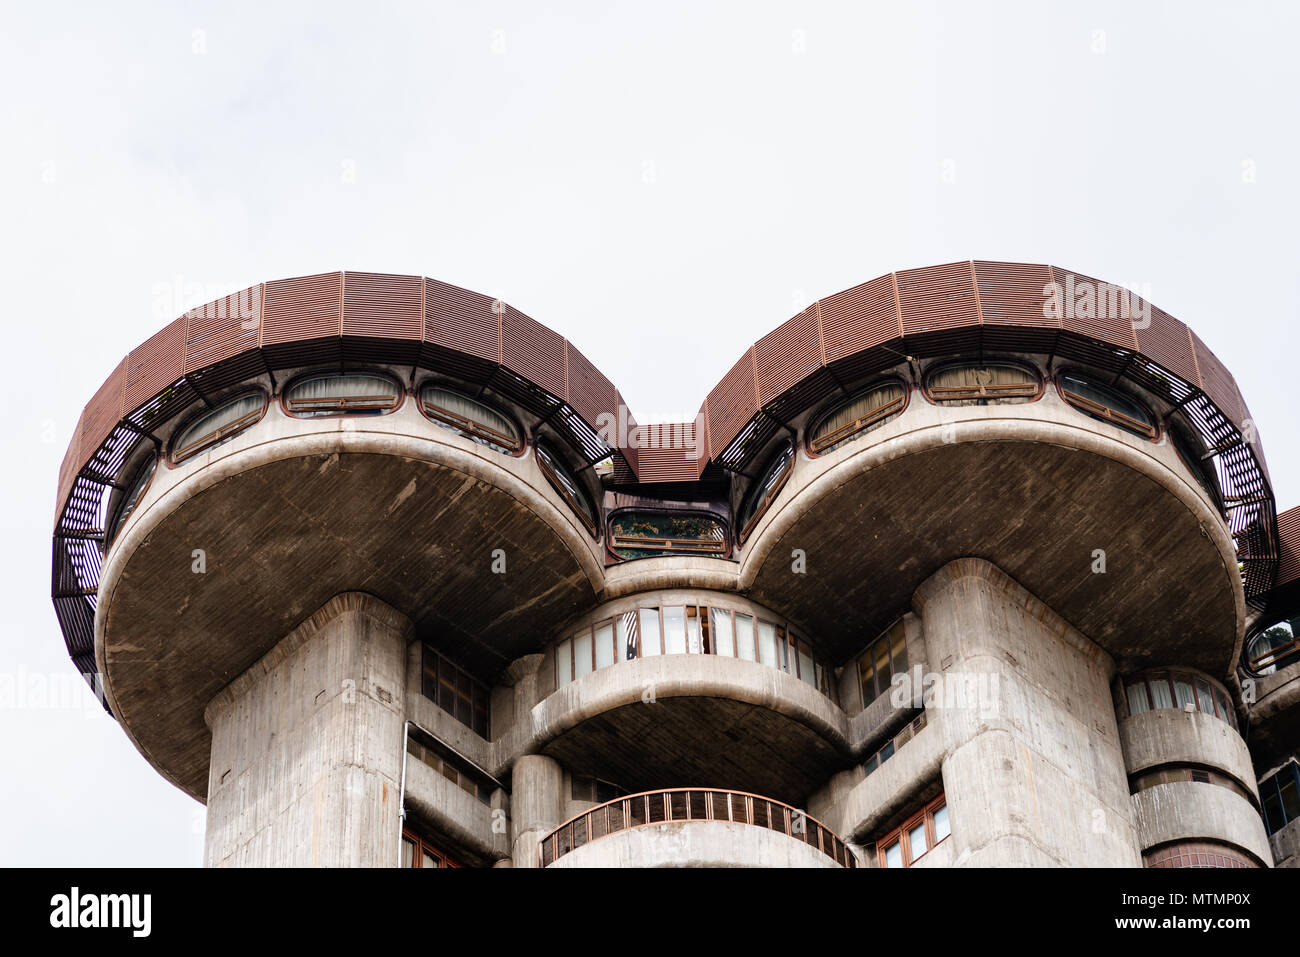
<point x="977" y="564"/>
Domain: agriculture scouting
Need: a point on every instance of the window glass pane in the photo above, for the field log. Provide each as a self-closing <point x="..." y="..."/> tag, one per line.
<point x="408" y="852"/>
<point x="867" y="677"/>
<point x="674" y="629"/>
<point x="763" y="491"/>
<point x="128" y="502"/>
<point x="806" y="671"/>
<point x="724" y="642"/>
<point x="428" y="860"/>
<point x="1183" y="692"/>
<point x="880" y="652"/>
<point x="1274" y="817"/>
<point x="1137" y="698"/>
<point x="745" y="647"/>
<point x="564" y="662"/>
<point x="886" y="752"/>
<point x="647" y="534"/>
<point x="1290" y="798"/>
<point x="566" y="483"/>
<point x="983" y="384"/>
<point x="693" y="641"/>
<point x="625" y="635"/>
<point x="868" y="411"/>
<point x="1221" y="702"/>
<point x="209" y="431"/>
<point x="334" y="394"/>
<point x="941" y="829"/>
<point x="898" y="648"/>
<point x="650" y="641"/>
<point x="916" y="840"/>
<point x="1205" y="700"/>
<point x="604" y="644"/>
<point x="472" y="419"/>
<point x="1161" y="694"/>
<point x="767" y="652"/>
<point x="894" y="855"/>
<point x="1104" y="402"/>
<point x="582" y="654"/>
<point x="873" y="762"/>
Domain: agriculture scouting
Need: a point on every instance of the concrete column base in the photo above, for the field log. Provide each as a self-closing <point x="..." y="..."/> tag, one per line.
<point x="536" y="805"/>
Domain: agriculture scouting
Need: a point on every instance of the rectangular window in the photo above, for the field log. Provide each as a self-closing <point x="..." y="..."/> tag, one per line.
<point x="674" y="630"/>
<point x="604" y="644"/>
<point x="724" y="641"/>
<point x="581" y="654"/>
<point x="745" y="647"/>
<point x="1161" y="695"/>
<point x="767" y="652"/>
<point x="454" y="690"/>
<point x="1204" y="699"/>
<point x="1183" y="693"/>
<point x="694" y="642"/>
<point x="564" y="662"/>
<point x="1137" y="698"/>
<point x="807" y="673"/>
<point x="904" y="846"/>
<point x="625" y="636"/>
<point x="651" y="644"/>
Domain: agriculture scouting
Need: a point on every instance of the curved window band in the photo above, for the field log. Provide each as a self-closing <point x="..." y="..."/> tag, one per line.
<point x="975" y="384"/>
<point x="135" y="491"/>
<point x="563" y="481"/>
<point x="767" y="489"/>
<point x="1107" y="404"/>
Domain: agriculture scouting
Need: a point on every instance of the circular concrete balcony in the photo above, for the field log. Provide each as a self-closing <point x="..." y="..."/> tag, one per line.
<point x="693" y="827"/>
<point x="228" y="551"/>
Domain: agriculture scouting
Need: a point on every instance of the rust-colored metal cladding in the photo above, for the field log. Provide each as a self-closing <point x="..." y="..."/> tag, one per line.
<point x="961" y="308"/>
<point x="671" y="452"/>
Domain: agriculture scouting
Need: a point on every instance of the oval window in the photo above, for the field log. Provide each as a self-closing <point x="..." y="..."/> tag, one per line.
<point x="470" y="418"/>
<point x="1000" y="383"/>
<point x="350" y="393"/>
<point x="131" y="497"/>
<point x="218" y="426"/>
<point x="1109" y="405"/>
<point x="647" y="534"/>
<point x="869" y="410"/>
<point x="566" y="483"/>
<point x="766" y="489"/>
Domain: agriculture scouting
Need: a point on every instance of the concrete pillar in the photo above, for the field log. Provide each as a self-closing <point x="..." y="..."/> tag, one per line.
<point x="536" y="802"/>
<point x="1034" y="774"/>
<point x="307" y="745"/>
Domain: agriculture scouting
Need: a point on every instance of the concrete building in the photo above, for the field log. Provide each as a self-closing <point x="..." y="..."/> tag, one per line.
<point x="976" y="564"/>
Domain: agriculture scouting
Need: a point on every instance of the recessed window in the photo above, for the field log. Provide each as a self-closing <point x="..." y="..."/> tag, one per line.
<point x="766" y="489"/>
<point x="218" y="426"/>
<point x="418" y="852"/>
<point x="1107" y="404"/>
<point x="471" y="418"/>
<point x="1280" y="795"/>
<point x="566" y="483"/>
<point x="131" y="497"/>
<point x="1274" y="647"/>
<point x="1158" y="690"/>
<point x="884" y="658"/>
<point x="646" y="534"/>
<point x="924" y="831"/>
<point x="1003" y="383"/>
<point x="351" y="393"/>
<point x="869" y="410"/>
<point x="455" y="691"/>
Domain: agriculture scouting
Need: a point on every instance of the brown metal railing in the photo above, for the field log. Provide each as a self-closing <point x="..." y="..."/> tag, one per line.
<point x="691" y="804"/>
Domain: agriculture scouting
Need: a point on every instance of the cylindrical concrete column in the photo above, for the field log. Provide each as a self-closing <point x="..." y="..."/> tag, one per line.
<point x="535" y="803"/>
<point x="1033" y="773"/>
<point x="307" y="745"/>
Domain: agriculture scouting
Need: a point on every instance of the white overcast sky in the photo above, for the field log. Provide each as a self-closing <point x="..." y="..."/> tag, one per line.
<point x="661" y="182"/>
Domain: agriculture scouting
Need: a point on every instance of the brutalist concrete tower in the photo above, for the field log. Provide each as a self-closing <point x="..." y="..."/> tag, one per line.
<point x="976" y="564"/>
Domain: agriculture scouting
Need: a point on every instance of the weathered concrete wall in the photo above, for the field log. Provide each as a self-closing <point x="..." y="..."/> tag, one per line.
<point x="307" y="745"/>
<point x="456" y="815"/>
<point x="696" y="844"/>
<point x="1033" y="772"/>
<point x="1190" y="810"/>
<point x="1285" y="845"/>
<point x="1173" y="736"/>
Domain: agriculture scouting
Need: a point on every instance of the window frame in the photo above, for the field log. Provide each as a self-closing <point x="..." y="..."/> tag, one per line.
<point x="422" y="844"/>
<point x="860" y="426"/>
<point x="544" y="451"/>
<point x="453" y="680"/>
<point x="1104" y="413"/>
<point x="927" y="389"/>
<point x="472" y="430"/>
<point x="899" y="835"/>
<point x="722" y="549"/>
<point x="343" y="411"/>
<point x="1220" y="699"/>
<point x="194" y="449"/>
<point x="866" y="653"/>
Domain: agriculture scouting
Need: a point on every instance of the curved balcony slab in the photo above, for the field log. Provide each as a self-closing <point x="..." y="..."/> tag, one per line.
<point x="1192" y="811"/>
<point x="1174" y="736"/>
<point x="696" y="844"/>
